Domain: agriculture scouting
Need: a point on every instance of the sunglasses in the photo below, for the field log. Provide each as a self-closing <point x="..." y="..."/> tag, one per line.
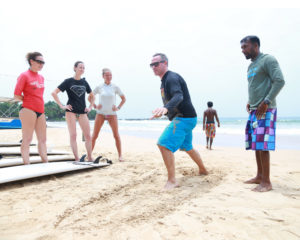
<point x="155" y="64"/>
<point x="38" y="61"/>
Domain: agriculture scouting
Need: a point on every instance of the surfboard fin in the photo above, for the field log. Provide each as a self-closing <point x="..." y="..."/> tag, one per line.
<point x="97" y="159"/>
<point x="82" y="158"/>
<point x="107" y="160"/>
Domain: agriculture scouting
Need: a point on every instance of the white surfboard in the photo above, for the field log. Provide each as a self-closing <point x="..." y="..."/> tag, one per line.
<point x="13" y="144"/>
<point x="11" y="174"/>
<point x="6" y="151"/>
<point x="15" y="161"/>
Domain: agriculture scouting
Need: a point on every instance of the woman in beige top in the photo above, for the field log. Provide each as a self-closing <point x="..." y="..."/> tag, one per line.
<point x="107" y="109"/>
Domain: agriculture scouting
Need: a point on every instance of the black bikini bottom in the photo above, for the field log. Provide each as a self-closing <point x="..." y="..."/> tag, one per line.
<point x="38" y="114"/>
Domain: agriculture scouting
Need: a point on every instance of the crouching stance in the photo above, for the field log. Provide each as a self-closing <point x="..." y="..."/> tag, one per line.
<point x="179" y="109"/>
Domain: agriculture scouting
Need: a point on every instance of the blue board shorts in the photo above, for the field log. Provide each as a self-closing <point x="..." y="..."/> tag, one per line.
<point x="178" y="134"/>
<point x="260" y="134"/>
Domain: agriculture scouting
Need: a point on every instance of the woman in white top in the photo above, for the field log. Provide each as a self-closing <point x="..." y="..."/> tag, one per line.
<point x="107" y="109"/>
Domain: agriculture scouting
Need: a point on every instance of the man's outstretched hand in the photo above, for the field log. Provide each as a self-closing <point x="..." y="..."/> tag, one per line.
<point x="158" y="112"/>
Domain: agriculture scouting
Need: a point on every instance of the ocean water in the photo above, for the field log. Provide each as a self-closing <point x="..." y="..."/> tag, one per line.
<point x="230" y="133"/>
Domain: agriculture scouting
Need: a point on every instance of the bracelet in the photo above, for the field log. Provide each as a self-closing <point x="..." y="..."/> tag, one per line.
<point x="118" y="108"/>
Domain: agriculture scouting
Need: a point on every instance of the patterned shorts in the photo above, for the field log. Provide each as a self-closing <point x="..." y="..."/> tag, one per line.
<point x="260" y="134"/>
<point x="210" y="130"/>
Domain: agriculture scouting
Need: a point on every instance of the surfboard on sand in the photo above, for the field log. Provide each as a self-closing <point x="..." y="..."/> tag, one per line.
<point x="11" y="174"/>
<point x="13" y="144"/>
<point x="9" y="151"/>
<point x="96" y="161"/>
<point x="15" y="161"/>
<point x="90" y="163"/>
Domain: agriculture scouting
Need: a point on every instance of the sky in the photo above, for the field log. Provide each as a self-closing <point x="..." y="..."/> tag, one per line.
<point x="201" y="40"/>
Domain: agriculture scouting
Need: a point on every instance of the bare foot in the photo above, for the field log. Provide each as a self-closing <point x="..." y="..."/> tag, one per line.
<point x="263" y="187"/>
<point x="170" y="185"/>
<point x="203" y="171"/>
<point x="91" y="159"/>
<point x="206" y="146"/>
<point x="121" y="159"/>
<point x="255" y="180"/>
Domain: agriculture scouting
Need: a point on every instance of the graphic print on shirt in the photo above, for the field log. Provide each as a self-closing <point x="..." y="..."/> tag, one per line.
<point x="37" y="84"/>
<point x="78" y="90"/>
<point x="252" y="72"/>
<point x="163" y="94"/>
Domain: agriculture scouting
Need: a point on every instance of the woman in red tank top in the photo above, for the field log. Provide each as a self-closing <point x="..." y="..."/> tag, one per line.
<point x="30" y="89"/>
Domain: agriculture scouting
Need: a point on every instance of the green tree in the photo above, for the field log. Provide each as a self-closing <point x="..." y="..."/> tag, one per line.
<point x="53" y="111"/>
<point x="9" y="109"/>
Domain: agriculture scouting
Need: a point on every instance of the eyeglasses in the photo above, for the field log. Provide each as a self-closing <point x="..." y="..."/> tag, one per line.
<point x="38" y="61"/>
<point x="155" y="64"/>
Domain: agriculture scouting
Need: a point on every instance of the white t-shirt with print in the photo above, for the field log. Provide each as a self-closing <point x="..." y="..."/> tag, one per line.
<point x="107" y="98"/>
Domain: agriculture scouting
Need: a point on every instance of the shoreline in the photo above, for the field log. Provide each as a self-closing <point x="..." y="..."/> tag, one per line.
<point x="283" y="142"/>
<point x="227" y="135"/>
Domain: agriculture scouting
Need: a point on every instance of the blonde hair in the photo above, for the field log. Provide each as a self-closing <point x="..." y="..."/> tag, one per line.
<point x="104" y="70"/>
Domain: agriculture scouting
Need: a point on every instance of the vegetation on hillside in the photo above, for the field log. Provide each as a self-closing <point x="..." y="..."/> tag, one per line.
<point x="52" y="111"/>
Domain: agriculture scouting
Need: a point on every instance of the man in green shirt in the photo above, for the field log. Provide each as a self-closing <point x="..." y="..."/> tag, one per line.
<point x="265" y="81"/>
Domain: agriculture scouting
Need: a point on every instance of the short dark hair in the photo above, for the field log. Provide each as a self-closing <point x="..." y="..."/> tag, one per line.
<point x="252" y="39"/>
<point x="210" y="104"/>
<point x="32" y="56"/>
<point x="162" y="56"/>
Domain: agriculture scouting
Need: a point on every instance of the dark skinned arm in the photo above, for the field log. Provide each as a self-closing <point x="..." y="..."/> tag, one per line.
<point x="261" y="110"/>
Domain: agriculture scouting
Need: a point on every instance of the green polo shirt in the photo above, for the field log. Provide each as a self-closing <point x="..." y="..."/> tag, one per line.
<point x="265" y="80"/>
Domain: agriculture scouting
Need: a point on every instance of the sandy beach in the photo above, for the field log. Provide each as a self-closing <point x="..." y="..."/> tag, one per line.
<point x="126" y="200"/>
